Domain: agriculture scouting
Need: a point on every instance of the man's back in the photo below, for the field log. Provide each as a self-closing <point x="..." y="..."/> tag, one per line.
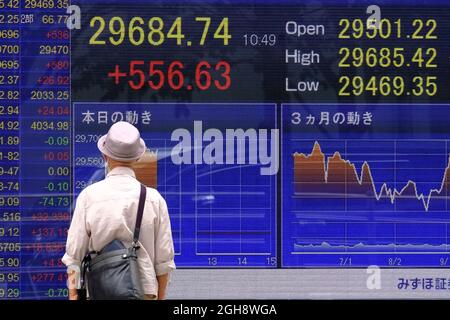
<point x="107" y="210"/>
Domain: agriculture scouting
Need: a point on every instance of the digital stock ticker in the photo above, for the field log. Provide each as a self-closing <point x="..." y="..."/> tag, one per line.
<point x="290" y="137"/>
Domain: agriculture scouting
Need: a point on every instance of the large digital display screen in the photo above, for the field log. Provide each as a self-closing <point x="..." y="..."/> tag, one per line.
<point x="292" y="140"/>
<point x="222" y="209"/>
<point x="365" y="185"/>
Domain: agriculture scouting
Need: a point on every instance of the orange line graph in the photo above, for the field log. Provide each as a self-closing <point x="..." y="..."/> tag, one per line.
<point x="315" y="177"/>
<point x="146" y="169"/>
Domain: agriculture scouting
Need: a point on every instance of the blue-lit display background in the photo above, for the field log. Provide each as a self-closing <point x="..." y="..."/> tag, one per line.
<point x="224" y="212"/>
<point x="342" y="228"/>
<point x="46" y="198"/>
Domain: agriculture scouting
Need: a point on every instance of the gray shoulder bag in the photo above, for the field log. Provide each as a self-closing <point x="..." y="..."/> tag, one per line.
<point x="113" y="273"/>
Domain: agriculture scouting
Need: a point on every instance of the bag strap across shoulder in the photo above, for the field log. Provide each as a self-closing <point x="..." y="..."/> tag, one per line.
<point x="85" y="265"/>
<point x="140" y="212"/>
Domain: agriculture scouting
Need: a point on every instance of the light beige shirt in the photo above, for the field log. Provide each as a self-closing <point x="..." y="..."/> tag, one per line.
<point x="107" y="210"/>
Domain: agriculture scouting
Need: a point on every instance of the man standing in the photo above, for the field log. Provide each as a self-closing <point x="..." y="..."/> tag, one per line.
<point x="106" y="211"/>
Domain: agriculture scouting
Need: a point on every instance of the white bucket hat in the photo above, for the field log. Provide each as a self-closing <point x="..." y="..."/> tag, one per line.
<point x="122" y="142"/>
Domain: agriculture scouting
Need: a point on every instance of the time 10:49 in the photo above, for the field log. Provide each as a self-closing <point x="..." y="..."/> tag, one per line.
<point x="256" y="40"/>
